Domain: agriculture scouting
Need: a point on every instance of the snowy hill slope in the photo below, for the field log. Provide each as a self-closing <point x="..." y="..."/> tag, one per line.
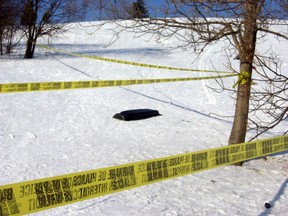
<point x="45" y="134"/>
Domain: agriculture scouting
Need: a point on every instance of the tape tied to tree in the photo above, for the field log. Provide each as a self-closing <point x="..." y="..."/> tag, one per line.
<point x="243" y="78"/>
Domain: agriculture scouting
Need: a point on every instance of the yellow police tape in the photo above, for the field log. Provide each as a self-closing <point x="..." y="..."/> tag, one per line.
<point x="37" y="195"/>
<point x="129" y="62"/>
<point x="45" y="86"/>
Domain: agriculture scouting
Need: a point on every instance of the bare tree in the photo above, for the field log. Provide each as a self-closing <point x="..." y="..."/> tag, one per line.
<point x="116" y="9"/>
<point x="45" y="17"/>
<point x="198" y="23"/>
<point x="9" y="24"/>
<point x="269" y="104"/>
<point x="85" y="9"/>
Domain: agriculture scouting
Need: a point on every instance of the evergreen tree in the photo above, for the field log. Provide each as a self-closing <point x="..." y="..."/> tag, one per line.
<point x="139" y="10"/>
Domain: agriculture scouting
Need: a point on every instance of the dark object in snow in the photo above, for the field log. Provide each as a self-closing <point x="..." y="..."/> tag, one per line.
<point x="267" y="205"/>
<point x="137" y="114"/>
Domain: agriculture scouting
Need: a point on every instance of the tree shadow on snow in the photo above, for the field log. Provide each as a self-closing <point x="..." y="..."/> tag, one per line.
<point x="177" y="105"/>
<point x="96" y="50"/>
<point x="280" y="192"/>
<point x="76" y="69"/>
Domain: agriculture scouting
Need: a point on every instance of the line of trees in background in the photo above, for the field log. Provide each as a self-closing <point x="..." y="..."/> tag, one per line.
<point x="33" y="19"/>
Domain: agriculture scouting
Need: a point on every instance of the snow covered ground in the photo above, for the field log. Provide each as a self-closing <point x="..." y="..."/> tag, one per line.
<point x="44" y="134"/>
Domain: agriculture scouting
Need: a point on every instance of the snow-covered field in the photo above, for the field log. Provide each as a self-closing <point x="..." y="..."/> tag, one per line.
<point x="44" y="134"/>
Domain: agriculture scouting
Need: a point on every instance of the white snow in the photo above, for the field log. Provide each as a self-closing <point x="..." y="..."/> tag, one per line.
<point x="44" y="134"/>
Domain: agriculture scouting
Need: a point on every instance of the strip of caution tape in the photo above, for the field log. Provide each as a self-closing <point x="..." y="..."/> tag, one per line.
<point x="46" y="86"/>
<point x="37" y="195"/>
<point x="130" y="62"/>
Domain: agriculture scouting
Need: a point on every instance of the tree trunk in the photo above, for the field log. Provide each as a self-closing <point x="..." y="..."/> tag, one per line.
<point x="29" y="48"/>
<point x="1" y="42"/>
<point x="246" y="51"/>
<point x="239" y="128"/>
